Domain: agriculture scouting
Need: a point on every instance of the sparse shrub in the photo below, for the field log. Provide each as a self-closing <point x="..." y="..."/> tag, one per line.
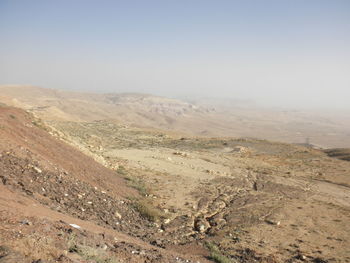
<point x="12" y="116"/>
<point x="97" y="255"/>
<point x="38" y="247"/>
<point x="216" y="255"/>
<point x="137" y="184"/>
<point x="147" y="210"/>
<point x="72" y="244"/>
<point x="121" y="170"/>
<point x="38" y="123"/>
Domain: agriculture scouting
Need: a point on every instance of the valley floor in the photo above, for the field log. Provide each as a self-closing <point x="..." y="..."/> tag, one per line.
<point x="137" y="195"/>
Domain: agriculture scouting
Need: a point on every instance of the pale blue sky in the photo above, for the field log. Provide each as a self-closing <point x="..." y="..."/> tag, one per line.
<point x="277" y="52"/>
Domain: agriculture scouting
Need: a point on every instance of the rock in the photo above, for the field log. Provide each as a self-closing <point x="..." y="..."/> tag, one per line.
<point x="301" y="257"/>
<point x="37" y="169"/>
<point x="157" y="243"/>
<point x="201" y="225"/>
<point x="217" y="221"/>
<point x="104" y="247"/>
<point x="240" y="149"/>
<point x="178" y="223"/>
<point x="203" y="203"/>
<point x="201" y="228"/>
<point x="117" y="215"/>
<point x="26" y="222"/>
<point x="181" y="154"/>
<point x="75" y="226"/>
<point x="273" y="222"/>
<point x="209" y="171"/>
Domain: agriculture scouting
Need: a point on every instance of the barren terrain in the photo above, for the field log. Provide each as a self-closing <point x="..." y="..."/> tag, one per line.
<point x="329" y="129"/>
<point x="104" y="190"/>
<point x="270" y="198"/>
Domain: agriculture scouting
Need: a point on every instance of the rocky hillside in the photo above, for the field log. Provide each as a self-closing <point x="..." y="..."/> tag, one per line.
<point x="59" y="205"/>
<point x="102" y="191"/>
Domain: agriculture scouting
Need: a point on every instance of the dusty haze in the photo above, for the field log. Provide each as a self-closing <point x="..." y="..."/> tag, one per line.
<point x="280" y="54"/>
<point x="202" y="117"/>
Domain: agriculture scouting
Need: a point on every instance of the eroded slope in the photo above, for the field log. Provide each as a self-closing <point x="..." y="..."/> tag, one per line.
<point x="59" y="205"/>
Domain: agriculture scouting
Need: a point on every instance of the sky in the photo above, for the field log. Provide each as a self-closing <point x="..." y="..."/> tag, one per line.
<point x="275" y="52"/>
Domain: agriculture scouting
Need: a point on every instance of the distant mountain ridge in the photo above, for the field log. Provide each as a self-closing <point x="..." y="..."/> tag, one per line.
<point x="199" y="118"/>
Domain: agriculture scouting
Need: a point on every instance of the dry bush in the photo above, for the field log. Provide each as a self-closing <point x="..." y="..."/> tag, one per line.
<point x="147" y="210"/>
<point x="37" y="247"/>
<point x="216" y="255"/>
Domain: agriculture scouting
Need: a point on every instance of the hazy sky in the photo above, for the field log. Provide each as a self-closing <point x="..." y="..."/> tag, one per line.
<point x="282" y="52"/>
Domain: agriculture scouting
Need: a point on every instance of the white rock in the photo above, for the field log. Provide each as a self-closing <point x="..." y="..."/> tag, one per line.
<point x="117" y="215"/>
<point x="104" y="247"/>
<point x="75" y="226"/>
<point x="37" y="169"/>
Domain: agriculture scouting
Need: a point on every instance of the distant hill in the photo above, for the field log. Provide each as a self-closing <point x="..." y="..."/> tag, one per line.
<point x="340" y="153"/>
<point x="198" y="118"/>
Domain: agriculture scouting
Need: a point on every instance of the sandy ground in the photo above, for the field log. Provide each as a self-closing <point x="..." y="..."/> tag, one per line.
<point x="255" y="199"/>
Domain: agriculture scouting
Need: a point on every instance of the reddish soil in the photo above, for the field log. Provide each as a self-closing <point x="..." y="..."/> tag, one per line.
<point x="46" y="185"/>
<point x="21" y="134"/>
